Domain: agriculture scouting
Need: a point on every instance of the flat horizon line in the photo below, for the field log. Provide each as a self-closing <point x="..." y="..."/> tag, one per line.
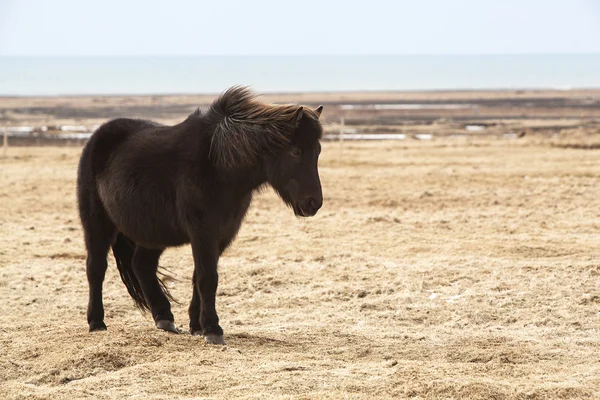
<point x="294" y="92"/>
<point x="304" y="55"/>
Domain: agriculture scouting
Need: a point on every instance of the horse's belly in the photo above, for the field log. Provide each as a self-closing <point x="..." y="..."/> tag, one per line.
<point x="147" y="217"/>
<point x="154" y="235"/>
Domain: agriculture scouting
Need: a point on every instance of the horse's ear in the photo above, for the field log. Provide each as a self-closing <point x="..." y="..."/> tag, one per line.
<point x="298" y="115"/>
<point x="318" y="111"/>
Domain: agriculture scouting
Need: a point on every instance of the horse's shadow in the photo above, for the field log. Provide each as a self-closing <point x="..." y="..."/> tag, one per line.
<point x="243" y="339"/>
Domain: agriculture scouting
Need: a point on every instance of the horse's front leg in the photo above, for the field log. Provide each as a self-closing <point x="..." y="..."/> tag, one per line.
<point x="203" y="314"/>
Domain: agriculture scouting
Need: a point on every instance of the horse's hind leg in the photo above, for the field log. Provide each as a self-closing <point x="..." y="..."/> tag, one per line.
<point x="145" y="267"/>
<point x="99" y="233"/>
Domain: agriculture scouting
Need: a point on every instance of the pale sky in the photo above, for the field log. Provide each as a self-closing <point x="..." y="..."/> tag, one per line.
<point x="280" y="27"/>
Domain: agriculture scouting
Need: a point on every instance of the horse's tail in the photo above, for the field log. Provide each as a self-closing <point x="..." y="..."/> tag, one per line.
<point x="123" y="250"/>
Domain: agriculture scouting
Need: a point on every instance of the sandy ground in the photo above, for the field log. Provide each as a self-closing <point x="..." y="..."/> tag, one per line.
<point x="443" y="269"/>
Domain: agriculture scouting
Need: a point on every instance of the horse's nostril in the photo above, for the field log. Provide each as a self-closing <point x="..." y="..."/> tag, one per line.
<point x="313" y="203"/>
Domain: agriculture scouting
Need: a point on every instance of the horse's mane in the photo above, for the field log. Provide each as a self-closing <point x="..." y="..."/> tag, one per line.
<point x="243" y="129"/>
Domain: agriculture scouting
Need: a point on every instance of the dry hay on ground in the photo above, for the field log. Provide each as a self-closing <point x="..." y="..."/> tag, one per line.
<point x="434" y="270"/>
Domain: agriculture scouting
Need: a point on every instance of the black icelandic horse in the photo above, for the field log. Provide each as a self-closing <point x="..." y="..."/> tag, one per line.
<point x="143" y="187"/>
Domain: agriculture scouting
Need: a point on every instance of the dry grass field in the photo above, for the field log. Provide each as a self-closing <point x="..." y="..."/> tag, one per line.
<point x="454" y="268"/>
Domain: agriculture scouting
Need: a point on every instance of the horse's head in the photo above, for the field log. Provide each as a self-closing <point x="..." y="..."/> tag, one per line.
<point x="293" y="173"/>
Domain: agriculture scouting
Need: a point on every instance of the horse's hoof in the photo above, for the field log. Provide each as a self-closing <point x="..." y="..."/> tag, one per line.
<point x="212" y="338"/>
<point x="196" y="332"/>
<point x="97" y="326"/>
<point x="166" y="325"/>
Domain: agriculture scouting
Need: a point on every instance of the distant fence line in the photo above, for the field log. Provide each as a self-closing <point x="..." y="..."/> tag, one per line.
<point x="71" y="135"/>
<point x="51" y="140"/>
<point x="17" y="141"/>
<point x="25" y="136"/>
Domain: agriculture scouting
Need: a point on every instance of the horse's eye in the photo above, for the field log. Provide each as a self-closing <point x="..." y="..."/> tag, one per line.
<point x="296" y="152"/>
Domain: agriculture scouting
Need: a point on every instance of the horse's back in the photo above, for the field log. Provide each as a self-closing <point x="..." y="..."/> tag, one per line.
<point x="107" y="139"/>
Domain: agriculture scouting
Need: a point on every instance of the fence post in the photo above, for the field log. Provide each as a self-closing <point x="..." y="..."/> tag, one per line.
<point x="5" y="143"/>
<point x="342" y="129"/>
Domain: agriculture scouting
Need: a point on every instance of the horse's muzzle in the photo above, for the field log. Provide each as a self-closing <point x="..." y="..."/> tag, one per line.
<point x="309" y="207"/>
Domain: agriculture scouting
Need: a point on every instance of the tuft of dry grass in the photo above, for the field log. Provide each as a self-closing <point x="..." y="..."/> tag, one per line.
<point x="443" y="269"/>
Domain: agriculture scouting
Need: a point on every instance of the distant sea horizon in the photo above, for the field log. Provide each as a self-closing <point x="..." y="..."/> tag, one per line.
<point x="184" y="75"/>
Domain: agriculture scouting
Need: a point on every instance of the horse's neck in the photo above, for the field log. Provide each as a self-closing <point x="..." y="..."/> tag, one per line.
<point x="249" y="181"/>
